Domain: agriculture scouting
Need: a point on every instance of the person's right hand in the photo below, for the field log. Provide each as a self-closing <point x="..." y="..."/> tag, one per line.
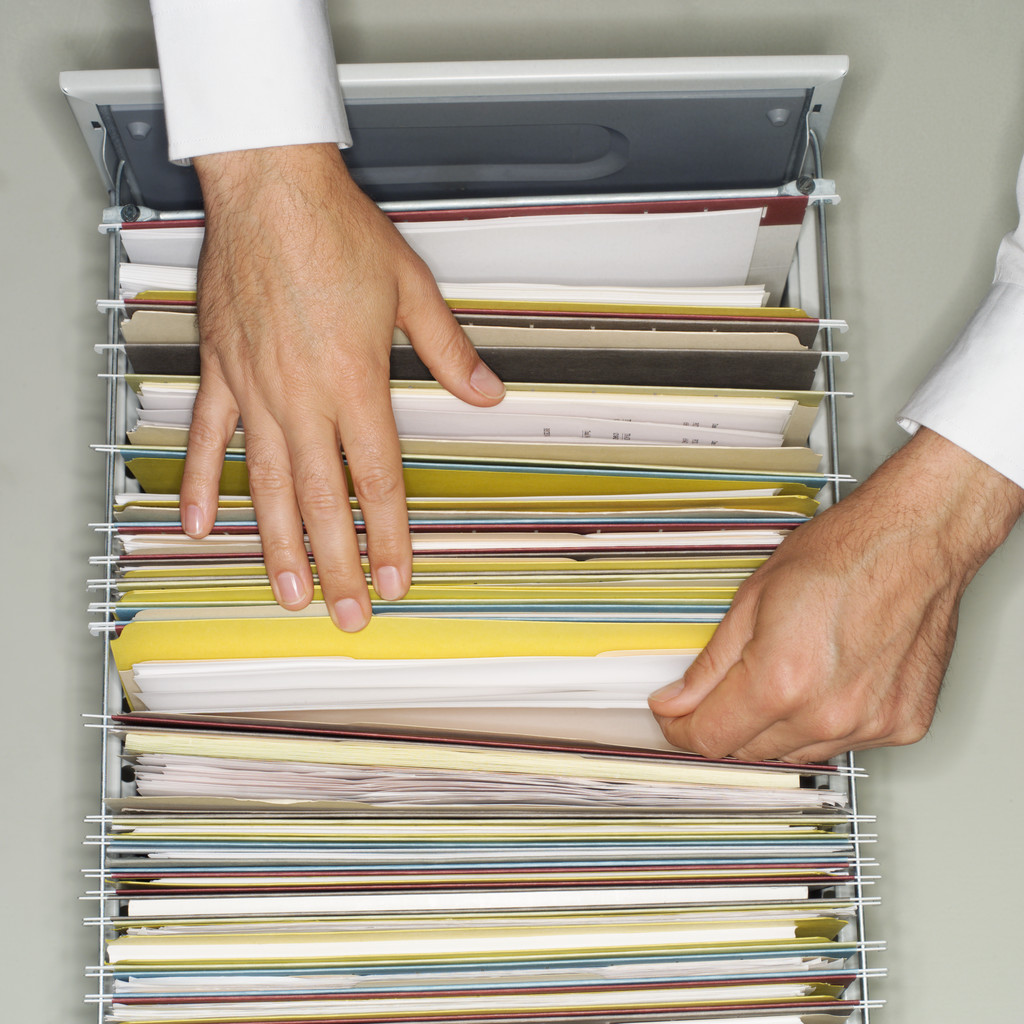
<point x="841" y="639"/>
<point x="301" y="282"/>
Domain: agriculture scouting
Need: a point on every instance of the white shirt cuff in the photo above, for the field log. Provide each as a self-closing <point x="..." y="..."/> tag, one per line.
<point x="247" y="74"/>
<point x="973" y="396"/>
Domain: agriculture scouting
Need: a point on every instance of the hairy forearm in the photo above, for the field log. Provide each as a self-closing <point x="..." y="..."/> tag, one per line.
<point x="256" y="182"/>
<point x="933" y="486"/>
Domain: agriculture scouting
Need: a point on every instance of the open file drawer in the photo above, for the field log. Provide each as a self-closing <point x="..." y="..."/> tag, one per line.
<point x="486" y="140"/>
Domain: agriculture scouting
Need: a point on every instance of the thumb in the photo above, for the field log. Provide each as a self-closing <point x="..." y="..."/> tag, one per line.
<point x="440" y="342"/>
<point x="710" y="667"/>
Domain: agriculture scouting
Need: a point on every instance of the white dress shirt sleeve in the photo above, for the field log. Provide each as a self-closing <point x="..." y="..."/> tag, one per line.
<point x="973" y="397"/>
<point x="247" y="74"/>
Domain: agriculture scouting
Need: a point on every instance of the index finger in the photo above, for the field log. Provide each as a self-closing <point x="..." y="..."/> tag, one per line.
<point x="373" y="454"/>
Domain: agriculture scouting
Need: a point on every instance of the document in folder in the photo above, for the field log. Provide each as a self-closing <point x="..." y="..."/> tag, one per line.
<point x="609" y="351"/>
<point x="558" y="247"/>
<point x="710" y="241"/>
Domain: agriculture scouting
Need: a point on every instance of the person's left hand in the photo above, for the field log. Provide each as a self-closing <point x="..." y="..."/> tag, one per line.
<point x="302" y="281"/>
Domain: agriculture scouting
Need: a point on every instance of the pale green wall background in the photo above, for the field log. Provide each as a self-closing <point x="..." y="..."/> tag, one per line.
<point x="925" y="146"/>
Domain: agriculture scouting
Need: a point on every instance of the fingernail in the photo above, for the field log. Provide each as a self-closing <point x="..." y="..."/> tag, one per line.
<point x="191" y="519"/>
<point x="668" y="692"/>
<point x="387" y="581"/>
<point x="349" y="615"/>
<point x="484" y="380"/>
<point x="289" y="588"/>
